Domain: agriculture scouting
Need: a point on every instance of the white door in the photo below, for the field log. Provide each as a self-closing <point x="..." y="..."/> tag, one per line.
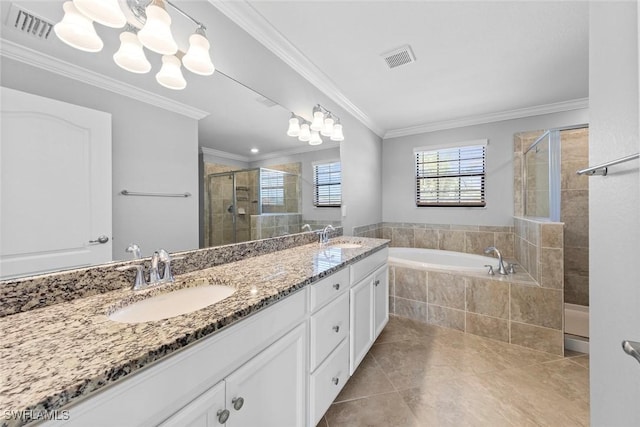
<point x="270" y="389"/>
<point x="381" y="300"/>
<point x="55" y="185"/>
<point x="361" y="325"/>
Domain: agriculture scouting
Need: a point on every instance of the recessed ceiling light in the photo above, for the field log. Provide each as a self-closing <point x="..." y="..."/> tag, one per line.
<point x="254" y="150"/>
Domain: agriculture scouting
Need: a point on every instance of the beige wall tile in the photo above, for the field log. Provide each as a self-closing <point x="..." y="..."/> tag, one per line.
<point x="505" y="244"/>
<point x="476" y="242"/>
<point x="551" y="268"/>
<point x="576" y="289"/>
<point x="576" y="233"/>
<point x="446" y="290"/>
<point x="411" y="309"/>
<point x="570" y="180"/>
<point x="489" y="327"/>
<point x="552" y="235"/>
<point x="402" y="237"/>
<point x="537" y="338"/>
<point x="426" y="238"/>
<point x="537" y="306"/>
<point x="451" y="240"/>
<point x="489" y="297"/>
<point x="574" y="203"/>
<point x="576" y="261"/>
<point x="446" y="317"/>
<point x="411" y="284"/>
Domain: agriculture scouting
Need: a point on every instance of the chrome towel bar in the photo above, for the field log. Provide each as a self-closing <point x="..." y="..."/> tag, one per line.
<point x="602" y="169"/>
<point x="137" y="193"/>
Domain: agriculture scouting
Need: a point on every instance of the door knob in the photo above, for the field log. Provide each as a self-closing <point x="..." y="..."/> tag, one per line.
<point x="101" y="239"/>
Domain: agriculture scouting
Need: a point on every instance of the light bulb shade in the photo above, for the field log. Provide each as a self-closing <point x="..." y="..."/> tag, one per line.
<point x="170" y="75"/>
<point x="294" y="127"/>
<point x="197" y="59"/>
<point x="318" y="120"/>
<point x="156" y="33"/>
<point x="105" y="12"/>
<point x="315" y="138"/>
<point x="337" y="133"/>
<point x="77" y="30"/>
<point x="131" y="56"/>
<point x="305" y="133"/>
<point x="327" y="129"/>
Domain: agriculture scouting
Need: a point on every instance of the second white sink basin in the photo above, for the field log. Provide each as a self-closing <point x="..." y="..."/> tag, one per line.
<point x="171" y="304"/>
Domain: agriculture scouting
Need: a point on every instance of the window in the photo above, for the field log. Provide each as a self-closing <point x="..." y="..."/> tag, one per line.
<point x="272" y="188"/>
<point x="452" y="176"/>
<point x="327" y="179"/>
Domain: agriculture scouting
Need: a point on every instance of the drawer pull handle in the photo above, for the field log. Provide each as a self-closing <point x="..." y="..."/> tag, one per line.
<point x="335" y="380"/>
<point x="237" y="403"/>
<point x="223" y="416"/>
<point x="336" y="286"/>
<point x="376" y="283"/>
<point x="336" y="328"/>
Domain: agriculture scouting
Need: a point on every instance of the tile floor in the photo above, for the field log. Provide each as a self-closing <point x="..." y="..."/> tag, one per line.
<point x="425" y="375"/>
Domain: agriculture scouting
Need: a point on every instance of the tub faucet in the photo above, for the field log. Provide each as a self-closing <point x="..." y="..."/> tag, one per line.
<point x="501" y="269"/>
<point x="306" y="227"/>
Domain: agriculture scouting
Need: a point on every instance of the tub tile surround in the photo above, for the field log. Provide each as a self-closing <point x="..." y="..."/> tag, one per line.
<point x="96" y="351"/>
<point x="514" y="309"/>
<point x="24" y="294"/>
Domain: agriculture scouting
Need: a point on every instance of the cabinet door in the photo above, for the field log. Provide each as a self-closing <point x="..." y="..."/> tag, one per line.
<point x="207" y="410"/>
<point x="381" y="300"/>
<point x="361" y="311"/>
<point x="270" y="389"/>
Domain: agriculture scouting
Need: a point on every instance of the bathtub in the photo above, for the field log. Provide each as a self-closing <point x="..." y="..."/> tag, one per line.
<point x="427" y="259"/>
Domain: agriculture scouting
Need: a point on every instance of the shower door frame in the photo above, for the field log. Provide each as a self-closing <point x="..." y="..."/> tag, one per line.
<point x="554" y="172"/>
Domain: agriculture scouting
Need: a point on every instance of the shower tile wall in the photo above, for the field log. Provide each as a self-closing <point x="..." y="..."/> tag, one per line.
<point x="574" y="191"/>
<point x="208" y="169"/>
<point x="274" y="225"/>
<point x="292" y="189"/>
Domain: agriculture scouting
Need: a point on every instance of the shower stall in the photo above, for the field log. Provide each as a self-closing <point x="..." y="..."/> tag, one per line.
<point x="552" y="190"/>
<point x="248" y="204"/>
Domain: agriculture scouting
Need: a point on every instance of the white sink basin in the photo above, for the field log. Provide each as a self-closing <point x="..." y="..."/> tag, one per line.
<point x="345" y="245"/>
<point x="171" y="304"/>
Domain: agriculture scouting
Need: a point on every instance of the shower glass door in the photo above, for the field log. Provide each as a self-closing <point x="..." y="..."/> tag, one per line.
<point x="542" y="177"/>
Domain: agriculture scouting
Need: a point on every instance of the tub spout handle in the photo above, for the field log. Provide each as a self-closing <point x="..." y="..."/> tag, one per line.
<point x="632" y="349"/>
<point x="490" y="272"/>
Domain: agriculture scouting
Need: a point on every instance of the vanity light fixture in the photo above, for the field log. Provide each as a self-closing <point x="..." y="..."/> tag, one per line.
<point x="324" y="123"/>
<point x="146" y="24"/>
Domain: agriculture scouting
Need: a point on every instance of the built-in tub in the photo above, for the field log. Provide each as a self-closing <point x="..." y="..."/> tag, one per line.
<point x="436" y="259"/>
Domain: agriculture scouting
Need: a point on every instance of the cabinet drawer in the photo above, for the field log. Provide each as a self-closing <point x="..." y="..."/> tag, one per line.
<point x="328" y="327"/>
<point x="328" y="288"/>
<point x="364" y="267"/>
<point x="327" y="381"/>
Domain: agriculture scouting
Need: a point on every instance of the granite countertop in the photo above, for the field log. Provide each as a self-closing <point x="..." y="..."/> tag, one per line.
<point x="54" y="355"/>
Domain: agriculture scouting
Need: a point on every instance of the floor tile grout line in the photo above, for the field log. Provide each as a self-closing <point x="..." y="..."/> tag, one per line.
<point x="383" y="371"/>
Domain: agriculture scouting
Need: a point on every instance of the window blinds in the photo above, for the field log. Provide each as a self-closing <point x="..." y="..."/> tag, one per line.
<point x="327" y="179"/>
<point x="272" y="188"/>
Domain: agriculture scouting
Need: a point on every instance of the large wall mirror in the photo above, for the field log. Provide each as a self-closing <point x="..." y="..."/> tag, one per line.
<point x="235" y="194"/>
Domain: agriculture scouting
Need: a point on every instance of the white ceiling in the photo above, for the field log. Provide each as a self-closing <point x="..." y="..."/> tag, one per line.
<point x="474" y="59"/>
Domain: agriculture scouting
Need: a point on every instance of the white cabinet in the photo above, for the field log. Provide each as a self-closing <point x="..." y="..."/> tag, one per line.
<point x="268" y="390"/>
<point x="369" y="305"/>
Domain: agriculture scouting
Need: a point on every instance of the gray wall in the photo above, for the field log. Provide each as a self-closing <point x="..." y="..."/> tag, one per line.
<point x="153" y="150"/>
<point x="614" y="207"/>
<point x="307" y="159"/>
<point x="398" y="188"/>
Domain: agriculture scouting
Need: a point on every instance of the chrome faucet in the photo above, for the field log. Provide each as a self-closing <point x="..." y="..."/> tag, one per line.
<point x="501" y="269"/>
<point x="134" y="249"/>
<point x="307" y="226"/>
<point x="159" y="256"/>
<point x="165" y="258"/>
<point x="154" y="274"/>
<point x="324" y="235"/>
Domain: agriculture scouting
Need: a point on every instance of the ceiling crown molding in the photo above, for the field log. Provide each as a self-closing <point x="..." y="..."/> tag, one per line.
<point x="15" y="51"/>
<point x="538" y="110"/>
<point x="251" y="21"/>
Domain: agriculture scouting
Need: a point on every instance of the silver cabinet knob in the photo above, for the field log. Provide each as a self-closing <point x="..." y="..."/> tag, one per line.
<point x="101" y="239"/>
<point x="223" y="415"/>
<point x="336" y="286"/>
<point x="335" y="380"/>
<point x="376" y="283"/>
<point x="237" y="403"/>
<point x="336" y="328"/>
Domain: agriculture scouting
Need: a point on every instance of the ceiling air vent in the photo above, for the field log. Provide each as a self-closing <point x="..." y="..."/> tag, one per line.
<point x="401" y="56"/>
<point x="26" y="22"/>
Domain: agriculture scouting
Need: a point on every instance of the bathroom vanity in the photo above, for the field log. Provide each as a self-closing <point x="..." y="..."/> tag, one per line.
<point x="277" y="352"/>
